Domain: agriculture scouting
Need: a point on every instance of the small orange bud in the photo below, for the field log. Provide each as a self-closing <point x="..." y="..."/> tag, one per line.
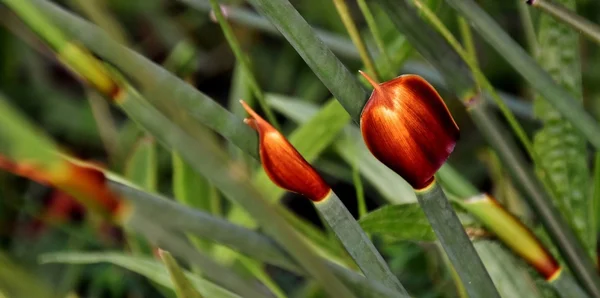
<point x="407" y="126"/>
<point x="282" y="162"/>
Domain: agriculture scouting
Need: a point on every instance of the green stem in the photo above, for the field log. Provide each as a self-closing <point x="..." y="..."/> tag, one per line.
<point x="566" y="286"/>
<point x="455" y="242"/>
<point x="356" y="242"/>
<point x="377" y="37"/>
<point x="568" y="17"/>
<point x="528" y="27"/>
<point x="339" y="44"/>
<point x="365" y="56"/>
<point x="440" y="54"/>
<point x="176" y="217"/>
<point x="244" y="63"/>
<point x="560" y="98"/>
<point x="212" y="270"/>
<point x="360" y="192"/>
<point x="331" y="71"/>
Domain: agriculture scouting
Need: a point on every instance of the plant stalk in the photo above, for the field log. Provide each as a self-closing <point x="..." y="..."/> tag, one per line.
<point x="356" y="242"/>
<point x="358" y="41"/>
<point x="455" y="242"/>
<point x="564" y="15"/>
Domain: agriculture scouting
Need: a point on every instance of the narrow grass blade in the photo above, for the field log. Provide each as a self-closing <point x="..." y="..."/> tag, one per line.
<point x="212" y="270"/>
<point x="174" y="216"/>
<point x="342" y="46"/>
<point x="141" y="168"/>
<point x="358" y="41"/>
<point x="145" y="266"/>
<point x="142" y="165"/>
<point x="343" y="85"/>
<point x="455" y="242"/>
<point x="243" y="61"/>
<point x="568" y="17"/>
<point x="356" y="242"/>
<point x="561" y="148"/>
<point x="560" y="98"/>
<point x="566" y="286"/>
<point x="509" y="274"/>
<point x="183" y="287"/>
<point x="130" y="101"/>
<point x="17" y="281"/>
<point x="435" y="49"/>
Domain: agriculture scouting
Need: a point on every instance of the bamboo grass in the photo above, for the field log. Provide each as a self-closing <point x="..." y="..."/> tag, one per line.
<point x="561" y="148"/>
<point x="343" y="85"/>
<point x="244" y="63"/>
<point x="435" y="49"/>
<point x="357" y="40"/>
<point x="300" y="35"/>
<point x="564" y="15"/>
<point x="356" y="242"/>
<point x="560" y="99"/>
<point x="156" y="82"/>
<point x="211" y="269"/>
<point x="243" y="240"/>
<point x="388" y="73"/>
<point x="183" y="287"/>
<point x="456" y="243"/>
<point x="339" y="44"/>
<point x="216" y="169"/>
<point x="145" y="266"/>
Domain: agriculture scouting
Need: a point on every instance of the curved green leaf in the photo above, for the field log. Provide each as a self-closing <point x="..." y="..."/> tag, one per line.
<point x="145" y="266"/>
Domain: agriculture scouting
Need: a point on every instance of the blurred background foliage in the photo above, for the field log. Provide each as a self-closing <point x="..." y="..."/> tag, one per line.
<point x="35" y="219"/>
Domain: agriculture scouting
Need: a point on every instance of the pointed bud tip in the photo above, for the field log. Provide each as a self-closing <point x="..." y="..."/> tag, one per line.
<point x="370" y="80"/>
<point x="282" y="162"/>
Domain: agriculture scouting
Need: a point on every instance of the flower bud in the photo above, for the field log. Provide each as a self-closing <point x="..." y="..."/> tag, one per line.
<point x="282" y="162"/>
<point x="407" y="126"/>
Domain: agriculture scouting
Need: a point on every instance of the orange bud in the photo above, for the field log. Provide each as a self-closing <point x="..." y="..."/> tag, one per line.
<point x="407" y="126"/>
<point x="282" y="162"/>
<point x="77" y="179"/>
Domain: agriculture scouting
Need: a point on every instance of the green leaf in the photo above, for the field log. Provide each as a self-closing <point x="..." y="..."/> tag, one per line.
<point x="561" y="147"/>
<point x="183" y="287"/>
<point x="395" y="223"/>
<point x="147" y="267"/>
<point x="560" y="98"/>
<point x="142" y="166"/>
<point x="509" y="274"/>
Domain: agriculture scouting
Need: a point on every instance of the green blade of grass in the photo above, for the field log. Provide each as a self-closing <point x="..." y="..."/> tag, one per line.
<point x="142" y="166"/>
<point x="212" y="270"/>
<point x="358" y="41"/>
<point x="343" y="85"/>
<point x="509" y="275"/>
<point x="145" y="266"/>
<point x="342" y="46"/>
<point x="435" y="49"/>
<point x="249" y="242"/>
<point x="183" y="287"/>
<point x="356" y="242"/>
<point x="558" y="97"/>
<point x="561" y="148"/>
<point x="243" y="62"/>
<point x="159" y="84"/>
<point x="456" y="243"/>
<point x="568" y="17"/>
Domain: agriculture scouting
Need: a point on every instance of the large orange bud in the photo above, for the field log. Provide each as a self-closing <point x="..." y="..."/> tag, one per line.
<point x="407" y="126"/>
<point x="282" y="162"/>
